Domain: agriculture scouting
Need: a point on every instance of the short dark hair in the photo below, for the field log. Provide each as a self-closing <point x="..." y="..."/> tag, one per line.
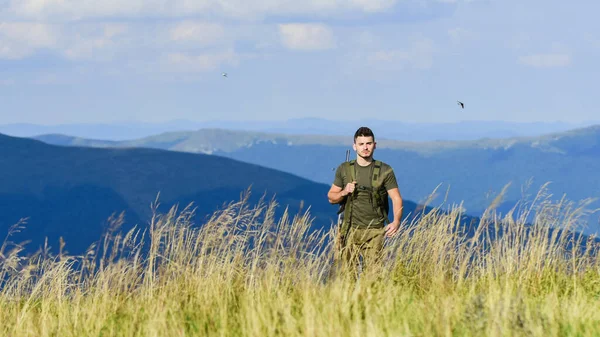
<point x="363" y="131"/>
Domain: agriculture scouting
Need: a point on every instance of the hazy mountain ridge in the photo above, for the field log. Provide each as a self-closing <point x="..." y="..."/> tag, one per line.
<point x="406" y="131"/>
<point x="474" y="171"/>
<point x="223" y="140"/>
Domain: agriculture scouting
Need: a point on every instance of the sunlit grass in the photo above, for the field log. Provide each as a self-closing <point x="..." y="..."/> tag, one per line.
<point x="247" y="273"/>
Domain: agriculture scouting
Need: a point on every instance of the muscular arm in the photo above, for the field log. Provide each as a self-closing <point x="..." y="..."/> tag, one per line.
<point x="336" y="194"/>
<point x="394" y="194"/>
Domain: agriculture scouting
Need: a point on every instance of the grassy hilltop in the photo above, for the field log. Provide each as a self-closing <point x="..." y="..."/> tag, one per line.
<point x="246" y="272"/>
<point x="253" y="269"/>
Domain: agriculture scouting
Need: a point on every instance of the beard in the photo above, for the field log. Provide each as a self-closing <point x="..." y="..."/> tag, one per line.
<point x="363" y="155"/>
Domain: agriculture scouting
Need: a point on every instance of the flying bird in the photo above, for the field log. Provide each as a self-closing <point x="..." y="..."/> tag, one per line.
<point x="462" y="105"/>
<point x="224" y="74"/>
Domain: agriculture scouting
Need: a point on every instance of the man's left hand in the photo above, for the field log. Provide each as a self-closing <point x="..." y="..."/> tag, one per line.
<point x="392" y="229"/>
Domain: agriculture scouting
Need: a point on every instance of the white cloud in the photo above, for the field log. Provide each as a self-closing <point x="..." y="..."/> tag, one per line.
<point x="418" y="56"/>
<point x="373" y="5"/>
<point x="458" y="1"/>
<point x="546" y="60"/>
<point x="99" y="42"/>
<point x="458" y="35"/>
<point x="74" y="41"/>
<point x="299" y="36"/>
<point x="20" y="39"/>
<point x="88" y="48"/>
<point x="200" y="62"/>
<point x="197" y="32"/>
<point x="32" y="34"/>
<point x="80" y="9"/>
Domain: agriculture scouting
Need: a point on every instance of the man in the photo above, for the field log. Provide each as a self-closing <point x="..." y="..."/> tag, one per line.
<point x="363" y="186"/>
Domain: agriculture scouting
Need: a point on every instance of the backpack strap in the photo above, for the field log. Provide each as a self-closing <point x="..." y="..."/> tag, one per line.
<point x="380" y="197"/>
<point x="351" y="175"/>
<point x="375" y="175"/>
<point x="351" y="170"/>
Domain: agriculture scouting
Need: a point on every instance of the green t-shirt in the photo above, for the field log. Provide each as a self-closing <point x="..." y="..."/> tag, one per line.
<point x="364" y="213"/>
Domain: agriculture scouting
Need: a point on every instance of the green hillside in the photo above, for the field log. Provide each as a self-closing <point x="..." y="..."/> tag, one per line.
<point x="72" y="191"/>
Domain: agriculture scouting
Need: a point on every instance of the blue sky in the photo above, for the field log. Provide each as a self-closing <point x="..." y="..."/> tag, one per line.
<point x="80" y="61"/>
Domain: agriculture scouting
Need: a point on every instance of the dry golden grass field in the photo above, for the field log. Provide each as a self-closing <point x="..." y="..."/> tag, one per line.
<point x="246" y="273"/>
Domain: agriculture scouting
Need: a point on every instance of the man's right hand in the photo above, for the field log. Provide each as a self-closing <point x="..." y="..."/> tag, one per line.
<point x="349" y="188"/>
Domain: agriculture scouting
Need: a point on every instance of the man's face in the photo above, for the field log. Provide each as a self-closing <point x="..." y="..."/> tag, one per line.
<point x="364" y="146"/>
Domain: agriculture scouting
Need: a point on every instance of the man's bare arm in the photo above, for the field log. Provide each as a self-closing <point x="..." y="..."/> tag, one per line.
<point x="336" y="194"/>
<point x="394" y="194"/>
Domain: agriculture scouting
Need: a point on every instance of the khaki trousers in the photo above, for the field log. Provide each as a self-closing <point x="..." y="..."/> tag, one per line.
<point x="362" y="251"/>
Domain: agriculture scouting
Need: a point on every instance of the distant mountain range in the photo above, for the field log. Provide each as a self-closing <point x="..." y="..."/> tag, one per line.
<point x="70" y="192"/>
<point x="474" y="171"/>
<point x="463" y="130"/>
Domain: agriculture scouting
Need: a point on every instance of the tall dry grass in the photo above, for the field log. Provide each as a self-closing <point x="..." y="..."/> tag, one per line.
<point x="247" y="273"/>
